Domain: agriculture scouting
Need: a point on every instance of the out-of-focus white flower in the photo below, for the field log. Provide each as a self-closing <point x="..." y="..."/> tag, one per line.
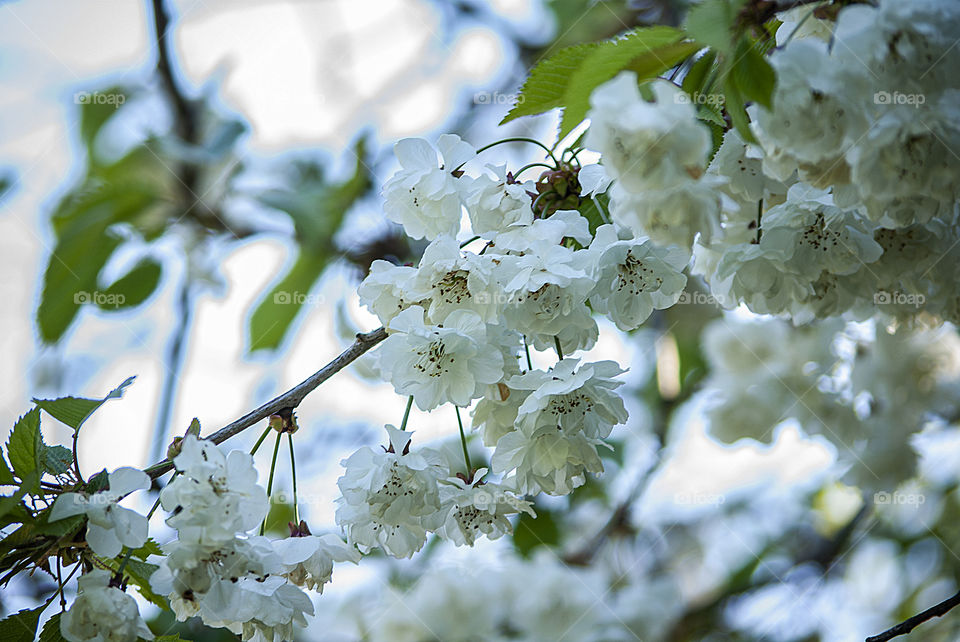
<point x="547" y="460"/>
<point x="102" y="613"/>
<point x="439" y="364"/>
<point x="424" y="198"/>
<point x="646" y="145"/>
<point x="110" y="527"/>
<point x="674" y="216"/>
<point x="216" y="493"/>
<point x="635" y="277"/>
<point x="389" y="499"/>
<point x="308" y="560"/>
<point x="471" y="509"/>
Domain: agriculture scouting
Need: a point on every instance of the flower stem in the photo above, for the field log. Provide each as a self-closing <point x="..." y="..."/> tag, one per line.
<point x="463" y="442"/>
<point x="293" y="472"/>
<point x="406" y="413"/>
<point x="556" y="344"/>
<point x="273" y="469"/>
<point x="520" y="139"/>
<point x="256" y="446"/>
<point x="468" y="242"/>
<point x="526" y="349"/>
<point x="531" y="165"/>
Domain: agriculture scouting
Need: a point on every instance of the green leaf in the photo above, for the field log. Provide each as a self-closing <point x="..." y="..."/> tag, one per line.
<point x="51" y="630"/>
<point x="170" y="638"/>
<point x="711" y="23"/>
<point x="6" y="477"/>
<point x="648" y="51"/>
<point x="9" y="504"/>
<point x="57" y="459"/>
<point x="276" y="312"/>
<point x="543" y="90"/>
<point x="139" y="573"/>
<point x="590" y="210"/>
<point x="98" y="482"/>
<point x="24" y="446"/>
<point x="753" y="75"/>
<point x="149" y="548"/>
<point x="533" y="532"/>
<point x="65" y="527"/>
<point x="696" y="78"/>
<point x="133" y="288"/>
<point x="22" y="626"/>
<point x="317" y="209"/>
<point x="74" y="411"/>
<point x="96" y="108"/>
<point x="733" y="102"/>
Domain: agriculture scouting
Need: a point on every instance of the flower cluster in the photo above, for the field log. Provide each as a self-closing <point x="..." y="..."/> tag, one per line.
<point x="216" y="570"/>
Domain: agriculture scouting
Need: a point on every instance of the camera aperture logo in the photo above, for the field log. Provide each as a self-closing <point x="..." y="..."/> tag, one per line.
<point x="497" y="98"/>
<point x="898" y="98"/>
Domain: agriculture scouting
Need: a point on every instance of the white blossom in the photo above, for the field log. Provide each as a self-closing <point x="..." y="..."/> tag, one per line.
<point x="110" y="527"/>
<point x="386" y="290"/>
<point x="102" y="613"/>
<point x="425" y="198"/>
<point x="308" y="560"/>
<point x="497" y="204"/>
<point x="472" y="509"/>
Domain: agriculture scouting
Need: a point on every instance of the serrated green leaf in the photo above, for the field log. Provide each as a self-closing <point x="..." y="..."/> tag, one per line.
<point x="21" y="626"/>
<point x="65" y="527"/>
<point x="647" y="51"/>
<point x="149" y="548"/>
<point x="57" y="459"/>
<point x="74" y="411"/>
<point x="24" y="445"/>
<point x="752" y="73"/>
<point x="98" y="482"/>
<point x="133" y="288"/>
<point x="544" y="88"/>
<point x="6" y="477"/>
<point x="9" y="503"/>
<point x="51" y="630"/>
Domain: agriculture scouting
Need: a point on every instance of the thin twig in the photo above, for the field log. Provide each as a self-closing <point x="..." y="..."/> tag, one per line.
<point x="911" y="623"/>
<point x="173" y="365"/>
<point x="290" y="399"/>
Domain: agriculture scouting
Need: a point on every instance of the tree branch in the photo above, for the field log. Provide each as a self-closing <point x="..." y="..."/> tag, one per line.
<point x="288" y="400"/>
<point x="911" y="623"/>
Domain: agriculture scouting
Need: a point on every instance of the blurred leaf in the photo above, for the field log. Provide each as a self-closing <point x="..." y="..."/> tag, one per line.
<point x="590" y="210"/>
<point x="317" y="210"/>
<point x="281" y="513"/>
<point x="22" y="626"/>
<point x="711" y="23"/>
<point x="533" y="532"/>
<point x="24" y="445"/>
<point x="96" y="108"/>
<point x="139" y="573"/>
<point x="273" y="317"/>
<point x="733" y="101"/>
<point x="753" y="75"/>
<point x="73" y="411"/>
<point x="544" y="88"/>
<point x="51" y="630"/>
<point x="134" y="287"/>
<point x="696" y="77"/>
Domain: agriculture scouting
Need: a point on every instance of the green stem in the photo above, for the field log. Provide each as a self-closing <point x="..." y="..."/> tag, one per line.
<point x="406" y="413"/>
<point x="463" y="442"/>
<point x="556" y="344"/>
<point x="759" y="216"/>
<point x="537" y="202"/>
<point x="468" y="242"/>
<point x="520" y="139"/>
<point x="293" y="472"/>
<point x="530" y="165"/>
<point x="273" y="469"/>
<point x="526" y="349"/>
<point x="256" y="446"/>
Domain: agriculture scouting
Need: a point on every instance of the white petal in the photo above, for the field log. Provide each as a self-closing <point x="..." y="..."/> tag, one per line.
<point x="103" y="541"/>
<point x="68" y="505"/>
<point x="124" y="481"/>
<point x="415" y="153"/>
